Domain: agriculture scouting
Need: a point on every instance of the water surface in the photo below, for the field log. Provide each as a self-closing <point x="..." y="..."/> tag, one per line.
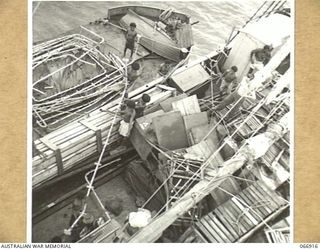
<point x="217" y="18"/>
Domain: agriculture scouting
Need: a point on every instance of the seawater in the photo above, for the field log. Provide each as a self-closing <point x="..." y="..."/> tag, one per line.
<point x="217" y="18"/>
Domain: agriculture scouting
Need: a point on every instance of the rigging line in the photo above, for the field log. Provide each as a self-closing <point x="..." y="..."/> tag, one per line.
<point x="183" y="198"/>
<point x="109" y="133"/>
<point x="216" y="178"/>
<point x="266" y="11"/>
<point x="257" y="129"/>
<point x="158" y="189"/>
<point x="248" y="21"/>
<point x="35" y="9"/>
<point x="185" y="189"/>
<point x="90" y="186"/>
<point x="204" y="164"/>
<point x="245" y="204"/>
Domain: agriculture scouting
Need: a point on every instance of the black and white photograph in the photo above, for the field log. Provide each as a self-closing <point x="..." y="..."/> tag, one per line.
<point x="161" y="121"/>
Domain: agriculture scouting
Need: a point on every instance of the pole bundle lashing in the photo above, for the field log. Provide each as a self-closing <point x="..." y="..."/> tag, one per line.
<point x="97" y="132"/>
<point x="57" y="153"/>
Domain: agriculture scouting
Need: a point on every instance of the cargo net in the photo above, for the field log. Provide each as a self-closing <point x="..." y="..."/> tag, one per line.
<point x="72" y="77"/>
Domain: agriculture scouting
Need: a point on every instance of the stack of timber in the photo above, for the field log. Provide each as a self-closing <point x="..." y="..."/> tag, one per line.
<point x="64" y="148"/>
<point x="241" y="214"/>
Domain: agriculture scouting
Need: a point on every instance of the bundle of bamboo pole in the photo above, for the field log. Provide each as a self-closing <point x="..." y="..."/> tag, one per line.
<point x="72" y="98"/>
<point x="66" y="147"/>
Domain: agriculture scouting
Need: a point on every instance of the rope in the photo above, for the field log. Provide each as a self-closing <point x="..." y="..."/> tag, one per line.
<point x="204" y="165"/>
<point x="184" y="188"/>
<point x="249" y="208"/>
<point x="35" y="9"/>
<point x="98" y="164"/>
<point x="270" y="114"/>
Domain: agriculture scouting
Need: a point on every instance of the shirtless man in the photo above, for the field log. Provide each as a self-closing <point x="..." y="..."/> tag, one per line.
<point x="141" y="105"/>
<point x="133" y="72"/>
<point x="131" y="35"/>
<point x="128" y="115"/>
<point x="228" y="78"/>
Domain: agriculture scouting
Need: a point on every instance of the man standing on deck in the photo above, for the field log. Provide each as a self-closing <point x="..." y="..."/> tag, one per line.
<point x="131" y="35"/>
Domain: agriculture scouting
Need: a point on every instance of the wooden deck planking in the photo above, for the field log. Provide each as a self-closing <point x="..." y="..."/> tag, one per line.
<point x="222" y="227"/>
<point x="242" y="219"/>
<point x="275" y="197"/>
<point x="261" y="198"/>
<point x="206" y="233"/>
<point x="199" y="235"/>
<point x="222" y="217"/>
<point x="211" y="230"/>
<point x="257" y="214"/>
<point x="217" y="229"/>
<point x="244" y="209"/>
<point x="233" y="219"/>
<point x="254" y="198"/>
<point x="273" y="205"/>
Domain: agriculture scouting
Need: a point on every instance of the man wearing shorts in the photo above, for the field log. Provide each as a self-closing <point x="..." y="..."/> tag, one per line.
<point x="130" y="39"/>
